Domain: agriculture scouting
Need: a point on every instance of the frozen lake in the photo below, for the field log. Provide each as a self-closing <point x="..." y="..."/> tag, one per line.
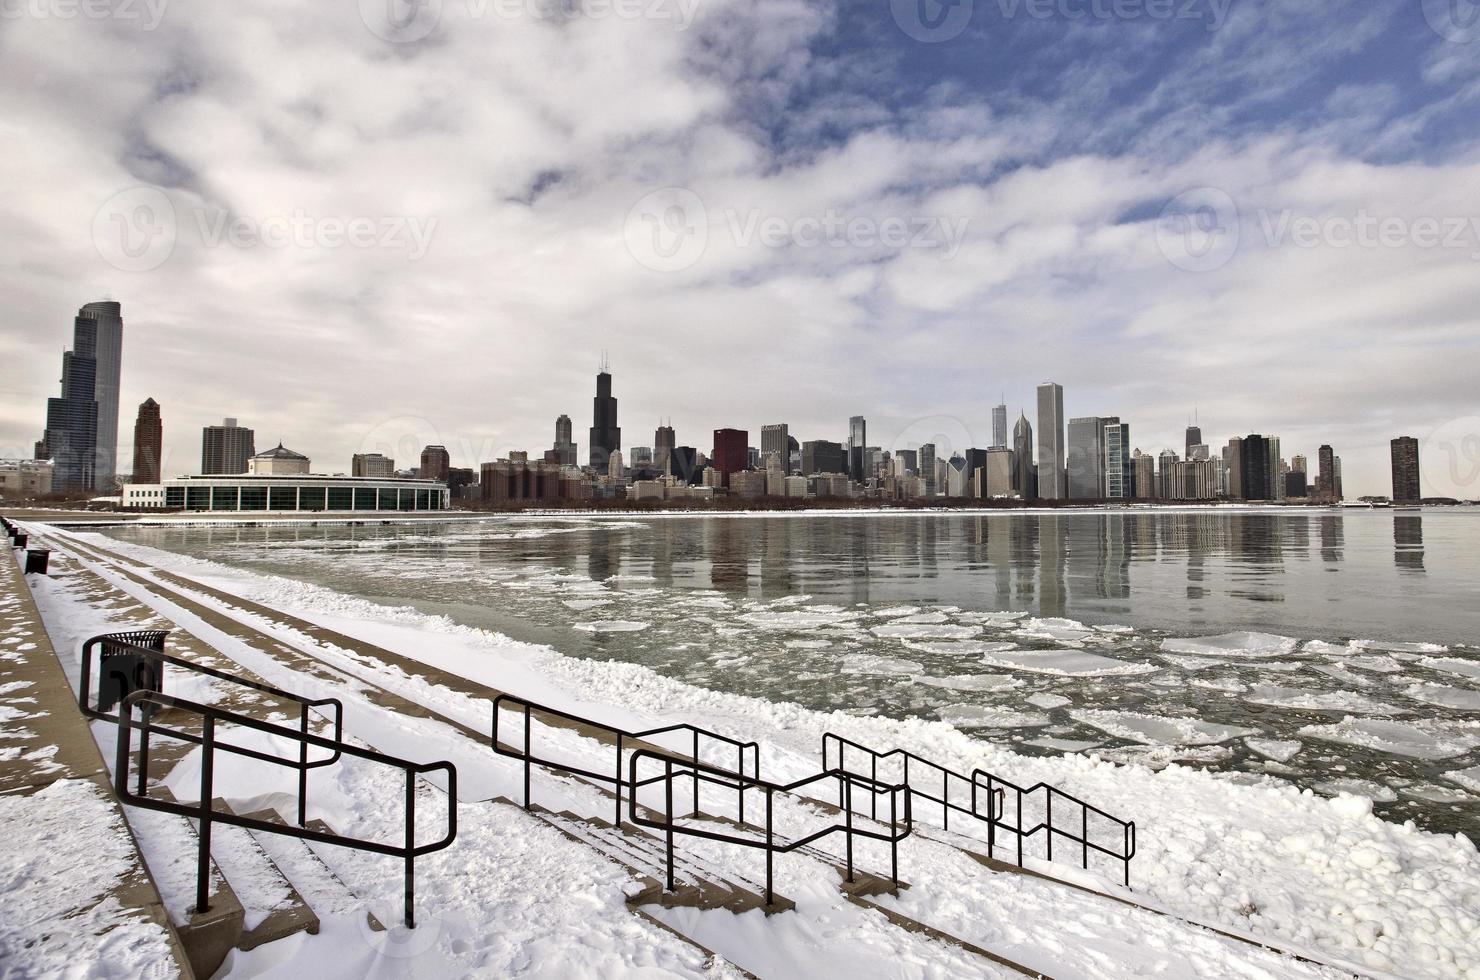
<point x="1338" y="650"/>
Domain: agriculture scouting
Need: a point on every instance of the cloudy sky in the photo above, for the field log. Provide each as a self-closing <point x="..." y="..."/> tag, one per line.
<point x="377" y="223"/>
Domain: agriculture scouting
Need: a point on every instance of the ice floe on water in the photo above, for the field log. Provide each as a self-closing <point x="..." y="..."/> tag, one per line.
<point x="1227" y="685"/>
<point x="1457" y="698"/>
<point x="1059" y="630"/>
<point x="959" y="648"/>
<point x="1048" y="701"/>
<point x="612" y="626"/>
<point x="982" y="716"/>
<point x="580" y="605"/>
<point x="1062" y="744"/>
<point x="1452" y="665"/>
<point x="1468" y="778"/>
<point x="808" y="644"/>
<point x="894" y="611"/>
<point x="1305" y="700"/>
<point x="1414" y="740"/>
<point x="1157" y="730"/>
<point x="1239" y="644"/>
<point x="1391" y="646"/>
<point x="868" y="663"/>
<point x="1068" y="663"/>
<point x="924" y="631"/>
<point x="1376" y="792"/>
<point x="1280" y="750"/>
<point x="810" y="618"/>
<point x="971" y="682"/>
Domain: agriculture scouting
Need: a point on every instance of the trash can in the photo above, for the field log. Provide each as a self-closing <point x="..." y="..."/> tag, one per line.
<point x="36" y="559"/>
<point x="122" y="671"/>
<point x="18" y="539"/>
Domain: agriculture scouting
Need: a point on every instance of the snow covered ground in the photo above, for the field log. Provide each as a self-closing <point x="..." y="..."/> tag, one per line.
<point x="1250" y="853"/>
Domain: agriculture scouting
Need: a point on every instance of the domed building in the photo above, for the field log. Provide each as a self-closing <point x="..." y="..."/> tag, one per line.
<point x="278" y="462"/>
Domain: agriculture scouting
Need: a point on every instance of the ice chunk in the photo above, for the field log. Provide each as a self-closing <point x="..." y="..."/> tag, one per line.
<point x="1458" y="698"/>
<point x="1287" y="697"/>
<point x="1161" y="756"/>
<point x="867" y="663"/>
<point x="1158" y="730"/>
<point x="923" y="631"/>
<point x="801" y="619"/>
<point x="1378" y="664"/>
<point x="897" y="611"/>
<point x="1229" y="685"/>
<point x="959" y="648"/>
<point x="1452" y="665"/>
<point x="1054" y="629"/>
<point x="580" y="605"/>
<point x="1240" y="644"/>
<point x="1063" y="744"/>
<point x="611" y="626"/>
<point x="1437" y="794"/>
<point x="1069" y="663"/>
<point x="979" y="716"/>
<point x="1048" y="701"/>
<point x="808" y="644"/>
<point x="1357" y="787"/>
<point x="1321" y="648"/>
<point x="1394" y="737"/>
<point x="1191" y="663"/>
<point x="1397" y="647"/>
<point x="1278" y="750"/>
<point x="1343" y="675"/>
<point x="972" y="682"/>
<point x="930" y="618"/>
<point x="1468" y="778"/>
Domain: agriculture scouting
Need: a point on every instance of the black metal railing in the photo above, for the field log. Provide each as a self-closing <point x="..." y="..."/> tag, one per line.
<point x="140" y="654"/>
<point x="767" y="841"/>
<point x="698" y="738"/>
<point x="148" y="703"/>
<point x="924" y="778"/>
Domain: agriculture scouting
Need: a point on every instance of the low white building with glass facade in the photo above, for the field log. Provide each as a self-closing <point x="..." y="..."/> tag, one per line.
<point x="287" y="493"/>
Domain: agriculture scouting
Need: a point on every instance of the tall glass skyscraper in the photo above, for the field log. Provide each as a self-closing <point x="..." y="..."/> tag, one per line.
<point x="81" y="436"/>
<point x="999" y="426"/>
<point x="606" y="435"/>
<point x="108" y="320"/>
<point x="857" y="449"/>
<point x="1025" y="476"/>
<point x="1051" y="441"/>
<point x="1119" y="473"/>
<point x="1085" y="465"/>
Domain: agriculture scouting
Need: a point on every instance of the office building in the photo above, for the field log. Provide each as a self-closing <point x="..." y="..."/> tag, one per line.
<point x="1085" y="465"/>
<point x="999" y="472"/>
<point x="999" y="426"/>
<point x="564" y="450"/>
<point x="857" y="444"/>
<point x="1277" y="469"/>
<point x="225" y="448"/>
<point x="372" y="466"/>
<point x="928" y="471"/>
<point x="1336" y="480"/>
<point x="822" y="456"/>
<point x="515" y="481"/>
<point x="1193" y="441"/>
<point x="436" y="463"/>
<point x="663" y="442"/>
<point x="25" y="477"/>
<point x="1168" y="478"/>
<point x="730" y="453"/>
<point x="606" y="435"/>
<point x="1025" y="479"/>
<point x="976" y="464"/>
<point x="1254" y="468"/>
<point x="1297" y="464"/>
<point x="776" y="441"/>
<point x="148" y="443"/>
<point x="683" y="465"/>
<point x="749" y="484"/>
<point x="1405" y="471"/>
<point x="1120" y="475"/>
<point x="1295" y="485"/>
<point x="78" y="438"/>
<point x="1326" y="475"/>
<point x="1150" y="483"/>
<point x="1051" y="441"/>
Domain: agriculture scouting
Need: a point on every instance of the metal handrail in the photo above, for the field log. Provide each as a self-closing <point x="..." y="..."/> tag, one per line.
<point x="740" y="783"/>
<point x="621" y="736"/>
<point x="206" y="815"/>
<point x="997" y="788"/>
<point x="154" y="658"/>
<point x="1127" y="827"/>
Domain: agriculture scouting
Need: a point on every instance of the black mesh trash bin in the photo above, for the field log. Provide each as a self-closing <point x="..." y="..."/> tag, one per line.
<point x="122" y="670"/>
<point x="36" y="560"/>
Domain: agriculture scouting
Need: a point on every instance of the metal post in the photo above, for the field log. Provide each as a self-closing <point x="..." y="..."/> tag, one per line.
<point x="1050" y="824"/>
<point x="618" y="821"/>
<point x="526" y="756"/>
<point x="848" y="789"/>
<point x="873" y="799"/>
<point x="894" y="836"/>
<point x="945" y="798"/>
<point x="668" y="817"/>
<point x="740" y="783"/>
<point x="696" y="772"/>
<point x="991" y="816"/>
<point x="203" y="858"/>
<point x="145" y="710"/>
<point x="768" y="851"/>
<point x="303" y="767"/>
<point x="1084" y="836"/>
<point x="411" y="846"/>
<point x="1020" y="827"/>
<point x="125" y="736"/>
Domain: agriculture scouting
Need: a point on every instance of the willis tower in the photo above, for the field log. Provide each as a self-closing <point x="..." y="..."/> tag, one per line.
<point x="606" y="435"/>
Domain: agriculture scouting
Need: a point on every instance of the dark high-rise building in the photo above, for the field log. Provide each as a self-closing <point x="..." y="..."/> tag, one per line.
<point x="70" y="439"/>
<point x="927" y="470"/>
<point x="1295" y="487"/>
<point x="436" y="463"/>
<point x="1194" y="438"/>
<point x="683" y="463"/>
<point x="999" y="426"/>
<point x="148" y="443"/>
<point x="821" y="456"/>
<point x="1326" y="475"/>
<point x="606" y="435"/>
<point x="663" y="442"/>
<point x="731" y="452"/>
<point x="564" y="451"/>
<point x="1405" y="471"/>
<point x="225" y="448"/>
<point x="976" y="461"/>
<point x="857" y="449"/>
<point x="776" y="441"/>
<point x="107" y="321"/>
<point x="1085" y="462"/>
<point x="1025" y="479"/>
<point x="1255" y="473"/>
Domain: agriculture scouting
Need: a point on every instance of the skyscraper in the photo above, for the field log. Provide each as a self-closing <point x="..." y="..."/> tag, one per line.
<point x="1405" y="470"/>
<point x="71" y="435"/>
<point x="999" y="426"/>
<point x="730" y="452"/>
<point x="776" y="442"/>
<point x="1194" y="438"/>
<point x="436" y="463"/>
<point x="1326" y="475"/>
<point x="1233" y="468"/>
<point x="857" y="447"/>
<point x="1051" y="441"/>
<point x="225" y="448"/>
<point x="148" y="443"/>
<point x="606" y="435"/>
<point x="1025" y="480"/>
<point x="1254" y="469"/>
<point x="108" y="317"/>
<point x="822" y="456"/>
<point x="1120" y="473"/>
<point x="927" y="469"/>
<point x="1085" y="466"/>
<point x="1277" y="468"/>
<point x="565" y="443"/>
<point x="663" y="443"/>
